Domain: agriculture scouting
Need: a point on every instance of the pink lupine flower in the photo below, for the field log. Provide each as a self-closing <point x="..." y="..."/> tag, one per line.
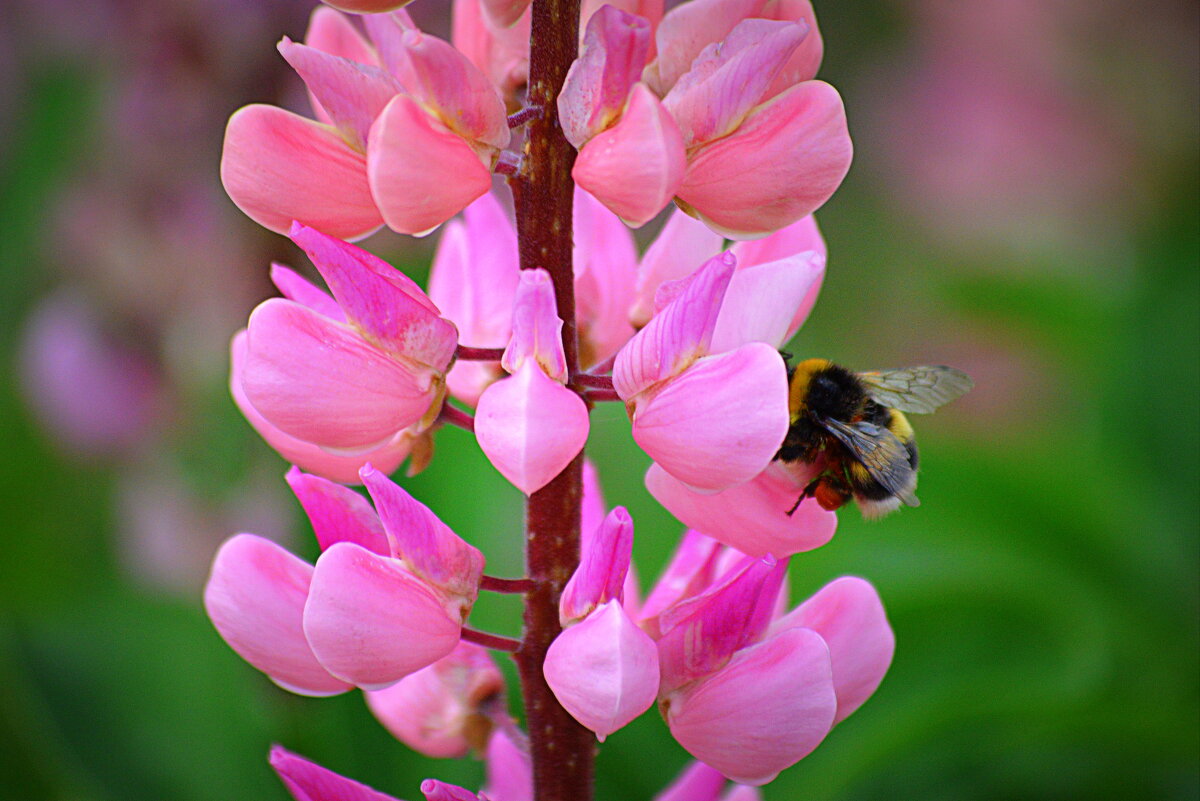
<point x="593" y="515"/>
<point x="386" y="598"/>
<point x="308" y="781"/>
<point x="731" y="91"/>
<point x="508" y="769"/>
<point x="500" y="52"/>
<point x="438" y="710"/>
<point x="396" y="115"/>
<point x="349" y="376"/>
<point x="603" y="669"/>
<point x="711" y="418"/>
<point x="530" y="425"/>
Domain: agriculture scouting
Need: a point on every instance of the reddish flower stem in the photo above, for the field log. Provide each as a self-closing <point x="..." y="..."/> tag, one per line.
<point x="493" y="641"/>
<point x="590" y="380"/>
<point x="600" y="395"/>
<point x="469" y="354"/>
<point x="513" y="586"/>
<point x="561" y="749"/>
<point x="456" y="417"/>
<point x="523" y="116"/>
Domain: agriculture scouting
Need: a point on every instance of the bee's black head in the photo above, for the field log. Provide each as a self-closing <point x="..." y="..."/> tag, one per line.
<point x="834" y="392"/>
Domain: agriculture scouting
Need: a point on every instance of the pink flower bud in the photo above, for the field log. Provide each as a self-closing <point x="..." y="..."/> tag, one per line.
<point x="437" y="710"/>
<point x="536" y="327"/>
<point x="603" y="566"/>
<point x="435" y="790"/>
<point x="308" y="781"/>
<point x="338" y="514"/>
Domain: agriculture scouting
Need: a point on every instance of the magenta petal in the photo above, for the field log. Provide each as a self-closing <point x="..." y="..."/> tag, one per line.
<point x="603" y="566"/>
<point x="605" y="263"/>
<point x="783" y="162"/>
<point x="298" y="288"/>
<point x="427" y="545"/>
<point x="320" y="382"/>
<point x="697" y="782"/>
<point x="376" y="297"/>
<point x="409" y="155"/>
<point x="743" y="792"/>
<point x="593" y="513"/>
<point x="802" y="237"/>
<point x="689" y="573"/>
<point x="764" y="711"/>
<point x="278" y="167"/>
<point x="604" y="670"/>
<point x="436" y="790"/>
<point x="370" y="621"/>
<point x="255" y="598"/>
<point x="338" y="514"/>
<point x="721" y="421"/>
<point x="530" y="427"/>
<point x="752" y="517"/>
<point x="509" y="773"/>
<point x="610" y="62"/>
<point x="682" y="245"/>
<point x="308" y="781"/>
<point x="636" y="166"/>
<point x="763" y="300"/>
<point x="436" y="710"/>
<point x="536" y="327"/>
<point x="678" y="335"/>
<point x="849" y="616"/>
<point x="310" y="457"/>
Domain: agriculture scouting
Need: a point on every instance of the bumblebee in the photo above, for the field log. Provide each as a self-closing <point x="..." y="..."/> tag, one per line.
<point x="852" y="427"/>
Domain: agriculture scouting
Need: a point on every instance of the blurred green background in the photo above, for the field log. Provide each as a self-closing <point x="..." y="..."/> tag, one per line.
<point x="1023" y="205"/>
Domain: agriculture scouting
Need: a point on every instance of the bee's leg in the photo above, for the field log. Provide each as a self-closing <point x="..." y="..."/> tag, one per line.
<point x="808" y="492"/>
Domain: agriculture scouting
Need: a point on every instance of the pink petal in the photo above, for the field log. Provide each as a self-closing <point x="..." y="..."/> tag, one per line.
<point x="436" y="710"/>
<point x="338" y="514"/>
<point x="743" y="792"/>
<point x="435" y="790"/>
<point x="593" y="500"/>
<point x="689" y="573"/>
<point x="367" y="6"/>
<point x="849" y="616"/>
<point x="385" y="303"/>
<point x="721" y="421"/>
<point x="689" y="28"/>
<point x="766" y="710"/>
<point x="530" y="427"/>
<point x="370" y="621"/>
<point x="763" y="300"/>
<point x="278" y="167"/>
<point x="501" y="53"/>
<point x="308" y="781"/>
<point x="785" y="160"/>
<point x="802" y="237"/>
<point x="751" y="517"/>
<point x="649" y="10"/>
<point x="678" y="335"/>
<point x="604" y="671"/>
<point x="803" y="64"/>
<point x="682" y="245"/>
<point x="509" y="773"/>
<point x="318" y="381"/>
<point x="730" y="77"/>
<point x="503" y="13"/>
<point x="336" y="35"/>
<point x="536" y="327"/>
<point x="636" y="166"/>
<point x="700" y="634"/>
<point x="255" y="598"/>
<point x="310" y="457"/>
<point x="610" y="62"/>
<point x="605" y="262"/>
<point x="298" y="288"/>
<point x="409" y="155"/>
<point x="697" y="782"/>
<point x="427" y="545"/>
<point x="351" y="94"/>
<point x="603" y="566"/>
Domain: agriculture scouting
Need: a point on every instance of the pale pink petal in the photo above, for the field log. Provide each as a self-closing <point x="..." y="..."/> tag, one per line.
<point x="730" y="77"/>
<point x="697" y="782"/>
<point x="682" y="245"/>
<point x="603" y="565"/>
<point x="308" y="781"/>
<point x="783" y="162"/>
<point x="427" y="545"/>
<point x="752" y="517"/>
<point x="700" y="634"/>
<point x="721" y="421"/>
<point x="296" y="287"/>
<point x="379" y="299"/>
<point x="604" y="670"/>
<point x="530" y="427"/>
<point x="605" y="262"/>
<point x="436" y="790"/>
<point x="501" y="53"/>
<point x="367" y="6"/>
<point x="678" y="335"/>
<point x="370" y="621"/>
<point x="278" y="167"/>
<point x="255" y="598"/>
<point x="689" y="573"/>
<point x="649" y="10"/>
<point x="338" y="514"/>
<point x="318" y="381"/>
<point x="764" y="711"/>
<point x="610" y="62"/>
<point x="335" y="34"/>
<point x="636" y="166"/>
<point x="593" y="513"/>
<point x="743" y="792"/>
<point x="468" y="379"/>
<point x="509" y="772"/>
<point x="338" y="467"/>
<point x="536" y="327"/>
<point x="762" y="301"/>
<point x="436" y="710"/>
<point x="803" y="64"/>
<point x="799" y="237"/>
<point x="409" y="155"/>
<point x="687" y="29"/>
<point x="849" y="616"/>
<point x="351" y="94"/>
<point x="503" y="13"/>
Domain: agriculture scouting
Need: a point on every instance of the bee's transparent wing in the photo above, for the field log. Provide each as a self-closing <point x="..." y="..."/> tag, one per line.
<point x="881" y="452"/>
<point x="916" y="389"/>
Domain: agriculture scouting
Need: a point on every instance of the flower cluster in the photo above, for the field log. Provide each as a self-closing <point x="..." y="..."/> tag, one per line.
<point x="712" y="106"/>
